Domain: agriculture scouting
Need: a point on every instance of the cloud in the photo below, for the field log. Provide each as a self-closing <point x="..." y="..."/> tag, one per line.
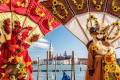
<point x="43" y="40"/>
<point x="41" y="43"/>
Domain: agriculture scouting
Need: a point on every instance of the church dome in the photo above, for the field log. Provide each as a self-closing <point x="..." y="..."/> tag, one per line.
<point x="65" y="54"/>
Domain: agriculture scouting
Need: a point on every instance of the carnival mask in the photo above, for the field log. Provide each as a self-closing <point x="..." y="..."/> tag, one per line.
<point x="99" y="31"/>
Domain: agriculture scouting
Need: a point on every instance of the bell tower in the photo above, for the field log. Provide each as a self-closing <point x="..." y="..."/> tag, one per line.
<point x="50" y="51"/>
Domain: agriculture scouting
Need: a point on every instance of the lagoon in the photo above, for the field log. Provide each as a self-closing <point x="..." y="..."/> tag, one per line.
<point x="42" y="75"/>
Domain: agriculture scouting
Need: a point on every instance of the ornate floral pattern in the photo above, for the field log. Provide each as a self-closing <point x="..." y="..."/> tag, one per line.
<point x="79" y="6"/>
<point x="50" y="21"/>
<point x="39" y="12"/>
<point x="16" y="71"/>
<point x="115" y="7"/>
<point x="17" y="26"/>
<point x="98" y="7"/>
<point x="6" y="26"/>
<point x="55" y="4"/>
<point x="34" y="38"/>
<point x="22" y="4"/>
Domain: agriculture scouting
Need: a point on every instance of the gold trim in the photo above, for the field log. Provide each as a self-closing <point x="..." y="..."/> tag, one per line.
<point x="24" y="21"/>
<point x="103" y="18"/>
<point x="115" y="39"/>
<point x="12" y="20"/>
<point x="3" y="33"/>
<point x="12" y="14"/>
<point x="89" y="11"/>
<point x="117" y="48"/>
<point x="90" y="19"/>
<point x="88" y="5"/>
<point x="3" y="15"/>
<point x="16" y="16"/>
<point x="111" y="29"/>
<point x="105" y="9"/>
<point x="11" y="5"/>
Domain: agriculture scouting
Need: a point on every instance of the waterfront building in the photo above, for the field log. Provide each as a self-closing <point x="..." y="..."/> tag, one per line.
<point x="62" y="59"/>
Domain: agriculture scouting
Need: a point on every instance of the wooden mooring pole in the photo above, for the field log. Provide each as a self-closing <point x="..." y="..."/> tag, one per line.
<point x="47" y="65"/>
<point x="73" y="63"/>
<point x="38" y="69"/>
<point x="55" y="66"/>
<point x="72" y="67"/>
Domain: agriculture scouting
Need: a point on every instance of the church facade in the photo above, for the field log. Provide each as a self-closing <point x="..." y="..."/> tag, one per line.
<point x="64" y="59"/>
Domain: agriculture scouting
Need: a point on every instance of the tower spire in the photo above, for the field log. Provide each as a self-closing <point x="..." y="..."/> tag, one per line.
<point x="50" y="51"/>
<point x="50" y="43"/>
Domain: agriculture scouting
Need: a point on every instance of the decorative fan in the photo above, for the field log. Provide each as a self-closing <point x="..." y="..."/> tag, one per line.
<point x="22" y="22"/>
<point x="74" y="14"/>
<point x="28" y="14"/>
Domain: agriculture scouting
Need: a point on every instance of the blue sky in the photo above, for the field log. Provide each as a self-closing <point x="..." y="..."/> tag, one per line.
<point x="62" y="40"/>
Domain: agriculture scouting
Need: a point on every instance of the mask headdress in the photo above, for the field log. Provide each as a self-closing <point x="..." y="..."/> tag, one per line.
<point x="95" y="28"/>
<point x="101" y="28"/>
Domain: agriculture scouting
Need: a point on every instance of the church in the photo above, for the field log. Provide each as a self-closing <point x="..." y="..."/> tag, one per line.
<point x="64" y="59"/>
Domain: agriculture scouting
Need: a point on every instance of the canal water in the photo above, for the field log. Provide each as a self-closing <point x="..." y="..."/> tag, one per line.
<point x="42" y="75"/>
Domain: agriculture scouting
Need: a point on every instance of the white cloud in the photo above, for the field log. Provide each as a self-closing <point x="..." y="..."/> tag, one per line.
<point x="43" y="40"/>
<point x="41" y="43"/>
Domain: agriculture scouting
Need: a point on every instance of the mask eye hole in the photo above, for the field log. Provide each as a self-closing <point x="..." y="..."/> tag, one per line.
<point x="94" y="29"/>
